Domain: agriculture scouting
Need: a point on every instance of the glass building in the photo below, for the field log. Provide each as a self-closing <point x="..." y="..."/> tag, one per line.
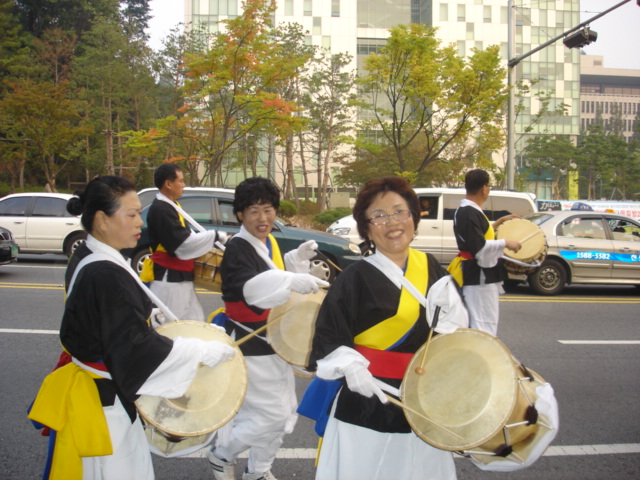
<point x="360" y="27"/>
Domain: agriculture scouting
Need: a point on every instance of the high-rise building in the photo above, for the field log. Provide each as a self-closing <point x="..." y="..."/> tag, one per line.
<point x="359" y="27"/>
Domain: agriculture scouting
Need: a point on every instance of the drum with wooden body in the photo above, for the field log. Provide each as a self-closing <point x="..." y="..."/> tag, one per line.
<point x="291" y="326"/>
<point x="533" y="245"/>
<point x="472" y="396"/>
<point x="182" y="425"/>
<point x="206" y="271"/>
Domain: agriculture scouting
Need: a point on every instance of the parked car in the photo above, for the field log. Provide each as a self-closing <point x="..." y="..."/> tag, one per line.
<point x="9" y="249"/>
<point x="586" y="247"/>
<point x="435" y="230"/>
<point x="40" y="222"/>
<point x="213" y="208"/>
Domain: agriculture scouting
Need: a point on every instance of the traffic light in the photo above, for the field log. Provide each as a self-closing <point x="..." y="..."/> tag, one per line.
<point x="581" y="38"/>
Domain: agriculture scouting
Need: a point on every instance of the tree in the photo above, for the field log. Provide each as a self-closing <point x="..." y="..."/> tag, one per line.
<point x="416" y="88"/>
<point x="329" y="102"/>
<point x="229" y="90"/>
<point x="592" y="159"/>
<point x="554" y="155"/>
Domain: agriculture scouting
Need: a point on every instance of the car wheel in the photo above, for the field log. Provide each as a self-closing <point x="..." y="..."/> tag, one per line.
<point x="138" y="259"/>
<point x="73" y="242"/>
<point x="549" y="279"/>
<point x="322" y="269"/>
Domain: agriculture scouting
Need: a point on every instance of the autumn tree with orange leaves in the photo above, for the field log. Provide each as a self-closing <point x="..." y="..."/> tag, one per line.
<point x="231" y="89"/>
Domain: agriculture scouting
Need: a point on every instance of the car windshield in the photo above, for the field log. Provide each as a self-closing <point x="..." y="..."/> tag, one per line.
<point x="539" y="218"/>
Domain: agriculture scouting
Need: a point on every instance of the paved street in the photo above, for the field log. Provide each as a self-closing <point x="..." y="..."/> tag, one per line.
<point x="585" y="342"/>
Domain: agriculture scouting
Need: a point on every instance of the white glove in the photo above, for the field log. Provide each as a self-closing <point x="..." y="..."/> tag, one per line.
<point x="157" y="318"/>
<point x="307" y="250"/>
<point x="216" y="352"/>
<point x="360" y="380"/>
<point x="306" y="283"/>
<point x="221" y="237"/>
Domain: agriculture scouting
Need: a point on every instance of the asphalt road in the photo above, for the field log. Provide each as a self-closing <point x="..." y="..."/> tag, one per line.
<point x="585" y="342"/>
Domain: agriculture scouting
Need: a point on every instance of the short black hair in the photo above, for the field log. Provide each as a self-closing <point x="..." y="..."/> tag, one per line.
<point x="166" y="171"/>
<point x="255" y="190"/>
<point x="474" y="180"/>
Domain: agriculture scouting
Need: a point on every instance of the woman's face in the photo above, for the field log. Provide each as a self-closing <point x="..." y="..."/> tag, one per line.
<point x="122" y="229"/>
<point x="258" y="220"/>
<point x="392" y="239"/>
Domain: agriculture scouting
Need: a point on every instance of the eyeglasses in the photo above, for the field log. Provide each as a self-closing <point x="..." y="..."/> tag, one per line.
<point x="384" y="218"/>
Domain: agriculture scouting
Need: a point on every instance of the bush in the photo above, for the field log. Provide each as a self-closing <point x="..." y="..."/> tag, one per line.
<point x="327" y="217"/>
<point x="308" y="207"/>
<point x="287" y="209"/>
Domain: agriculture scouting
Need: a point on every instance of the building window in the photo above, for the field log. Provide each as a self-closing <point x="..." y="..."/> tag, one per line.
<point x="470" y="30"/>
<point x="461" y="13"/>
<point x="317" y="26"/>
<point x="335" y="8"/>
<point x="326" y="42"/>
<point x="308" y="8"/>
<point x="444" y="12"/>
<point x="461" y="49"/>
<point x="487" y="14"/>
<point x="288" y="7"/>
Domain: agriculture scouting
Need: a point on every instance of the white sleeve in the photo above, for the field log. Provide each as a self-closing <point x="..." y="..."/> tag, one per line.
<point x="196" y="245"/>
<point x="173" y="376"/>
<point x="268" y="289"/>
<point x="489" y="255"/>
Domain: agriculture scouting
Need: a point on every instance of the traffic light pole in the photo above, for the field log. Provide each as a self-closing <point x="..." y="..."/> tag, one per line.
<point x="512" y="63"/>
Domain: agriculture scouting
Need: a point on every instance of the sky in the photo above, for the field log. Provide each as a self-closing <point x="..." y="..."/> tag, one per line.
<point x="617" y="30"/>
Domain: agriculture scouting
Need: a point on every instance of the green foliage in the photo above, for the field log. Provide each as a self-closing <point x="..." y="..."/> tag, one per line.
<point x="287" y="209"/>
<point x="327" y="217"/>
<point x="308" y="207"/>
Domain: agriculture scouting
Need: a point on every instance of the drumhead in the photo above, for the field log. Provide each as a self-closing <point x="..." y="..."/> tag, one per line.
<point x="212" y="399"/>
<point x="291" y="326"/>
<point x="520" y="229"/>
<point x="469" y="387"/>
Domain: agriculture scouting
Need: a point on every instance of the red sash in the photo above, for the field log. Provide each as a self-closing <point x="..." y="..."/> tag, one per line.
<point x="174" y="263"/>
<point x="240" y="312"/>
<point x="385" y="364"/>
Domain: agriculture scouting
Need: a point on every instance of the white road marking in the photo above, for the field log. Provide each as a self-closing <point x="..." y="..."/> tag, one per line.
<point x="553" y="451"/>
<point x="600" y="342"/>
<point x="23" y="330"/>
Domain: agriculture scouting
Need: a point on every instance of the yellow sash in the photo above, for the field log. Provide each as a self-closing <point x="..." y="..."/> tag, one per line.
<point x="146" y="274"/>
<point x="455" y="267"/>
<point x="69" y="403"/>
<point x="276" y="256"/>
<point x="388" y="332"/>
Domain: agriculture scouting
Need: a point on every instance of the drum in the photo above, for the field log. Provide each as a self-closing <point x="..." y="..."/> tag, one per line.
<point x="532" y="239"/>
<point x="291" y="326"/>
<point x="472" y="394"/>
<point x="182" y="425"/>
<point x="206" y="271"/>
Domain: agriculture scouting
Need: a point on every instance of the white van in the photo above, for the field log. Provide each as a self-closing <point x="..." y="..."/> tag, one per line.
<point x="435" y="230"/>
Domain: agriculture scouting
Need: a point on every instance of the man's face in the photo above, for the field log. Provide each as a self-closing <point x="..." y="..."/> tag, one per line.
<point x="173" y="188"/>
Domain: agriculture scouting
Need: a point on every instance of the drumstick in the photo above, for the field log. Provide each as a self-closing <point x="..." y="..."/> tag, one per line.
<point x="256" y="332"/>
<point x="415" y="412"/>
<point x="530" y="236"/>
<point x="436" y="315"/>
<point x="328" y="260"/>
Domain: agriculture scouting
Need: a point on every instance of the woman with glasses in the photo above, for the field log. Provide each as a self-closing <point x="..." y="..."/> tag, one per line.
<point x="367" y="330"/>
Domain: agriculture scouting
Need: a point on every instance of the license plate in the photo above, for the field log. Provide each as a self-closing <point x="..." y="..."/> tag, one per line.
<point x="14" y="250"/>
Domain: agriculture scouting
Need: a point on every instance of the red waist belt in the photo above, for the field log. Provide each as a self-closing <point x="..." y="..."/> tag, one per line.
<point x="174" y="263"/>
<point x="240" y="312"/>
<point x="466" y="255"/>
<point x="385" y="364"/>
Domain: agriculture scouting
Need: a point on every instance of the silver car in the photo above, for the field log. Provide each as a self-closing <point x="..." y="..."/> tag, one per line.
<point x="586" y="247"/>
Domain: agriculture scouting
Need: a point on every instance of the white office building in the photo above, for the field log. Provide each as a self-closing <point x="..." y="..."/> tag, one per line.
<point x="360" y="27"/>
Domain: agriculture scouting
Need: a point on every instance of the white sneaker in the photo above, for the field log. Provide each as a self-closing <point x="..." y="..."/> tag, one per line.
<point x="258" y="476"/>
<point x="222" y="470"/>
